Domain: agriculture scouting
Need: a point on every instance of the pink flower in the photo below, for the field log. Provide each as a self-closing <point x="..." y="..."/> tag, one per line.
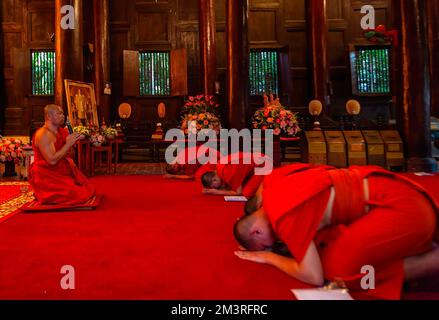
<point x="276" y="131"/>
<point x="206" y="122"/>
<point x="13" y="154"/>
<point x="2" y="158"/>
<point x="191" y="98"/>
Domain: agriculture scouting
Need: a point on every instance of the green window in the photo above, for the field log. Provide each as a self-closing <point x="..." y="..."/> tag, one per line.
<point x="263" y="72"/>
<point x="154" y="73"/>
<point x="43" y="72"/>
<point x="371" y="70"/>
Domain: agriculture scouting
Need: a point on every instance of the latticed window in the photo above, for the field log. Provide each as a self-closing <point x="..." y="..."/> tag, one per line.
<point x="264" y="72"/>
<point x="154" y="73"/>
<point x="43" y="72"/>
<point x="371" y="70"/>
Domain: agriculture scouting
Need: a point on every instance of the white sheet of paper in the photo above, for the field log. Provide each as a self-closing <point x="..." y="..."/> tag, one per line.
<point x="235" y="199"/>
<point x="321" y="294"/>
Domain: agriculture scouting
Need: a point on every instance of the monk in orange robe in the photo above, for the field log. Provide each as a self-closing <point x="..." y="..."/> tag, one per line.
<point x="234" y="177"/>
<point x="54" y="177"/>
<point x="186" y="165"/>
<point x="336" y="222"/>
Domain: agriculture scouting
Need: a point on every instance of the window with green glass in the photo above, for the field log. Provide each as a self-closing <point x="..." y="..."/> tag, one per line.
<point x="263" y="72"/>
<point x="154" y="73"/>
<point x="371" y="70"/>
<point x="43" y="72"/>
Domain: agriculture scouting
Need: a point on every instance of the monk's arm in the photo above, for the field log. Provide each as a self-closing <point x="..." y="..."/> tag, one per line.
<point x="178" y="177"/>
<point x="222" y="192"/>
<point x="309" y="270"/>
<point x="47" y="147"/>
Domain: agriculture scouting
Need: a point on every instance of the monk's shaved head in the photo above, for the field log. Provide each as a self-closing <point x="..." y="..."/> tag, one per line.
<point x="207" y="178"/>
<point x="242" y="230"/>
<point x="50" y="109"/>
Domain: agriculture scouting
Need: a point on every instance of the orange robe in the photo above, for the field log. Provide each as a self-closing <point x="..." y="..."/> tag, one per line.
<point x="400" y="223"/>
<point x="242" y="174"/>
<point x="62" y="183"/>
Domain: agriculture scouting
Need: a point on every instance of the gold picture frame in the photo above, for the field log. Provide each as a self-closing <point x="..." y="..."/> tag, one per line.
<point x="81" y="102"/>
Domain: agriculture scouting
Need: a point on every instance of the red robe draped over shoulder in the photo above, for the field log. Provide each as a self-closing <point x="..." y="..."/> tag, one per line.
<point x="62" y="183"/>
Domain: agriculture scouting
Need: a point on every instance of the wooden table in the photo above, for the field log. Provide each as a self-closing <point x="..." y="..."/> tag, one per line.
<point x="83" y="156"/>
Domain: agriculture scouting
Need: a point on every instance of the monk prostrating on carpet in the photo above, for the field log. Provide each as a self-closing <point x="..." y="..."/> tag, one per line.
<point x="335" y="222"/>
<point x="187" y="166"/>
<point x="54" y="177"/>
<point x="236" y="176"/>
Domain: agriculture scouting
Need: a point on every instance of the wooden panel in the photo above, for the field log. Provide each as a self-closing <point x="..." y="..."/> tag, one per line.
<point x="295" y="10"/>
<point x="337" y="50"/>
<point x="188" y="10"/>
<point x="262" y="26"/>
<point x="8" y="9"/>
<point x="298" y="48"/>
<point x="152" y="27"/>
<point x="41" y="23"/>
<point x="11" y="40"/>
<point x="131" y="85"/>
<point x="221" y="58"/>
<point x="335" y="9"/>
<point x="220" y="10"/>
<point x="189" y="40"/>
<point x="179" y="72"/>
<point x="119" y="10"/>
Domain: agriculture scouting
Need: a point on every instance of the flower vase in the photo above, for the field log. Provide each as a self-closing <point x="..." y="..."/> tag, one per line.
<point x="9" y="169"/>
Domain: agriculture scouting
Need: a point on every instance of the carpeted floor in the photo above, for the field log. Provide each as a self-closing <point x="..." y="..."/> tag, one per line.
<point x="149" y="239"/>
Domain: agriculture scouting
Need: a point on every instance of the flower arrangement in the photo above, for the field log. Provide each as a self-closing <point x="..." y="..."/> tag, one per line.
<point x="200" y="112"/>
<point x="200" y="121"/>
<point x="11" y="150"/>
<point x="109" y="133"/>
<point x="274" y="116"/>
<point x="96" y="139"/>
<point x="82" y="130"/>
<point x="200" y="104"/>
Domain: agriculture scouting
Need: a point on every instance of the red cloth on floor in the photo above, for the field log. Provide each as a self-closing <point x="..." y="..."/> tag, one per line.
<point x="401" y="222"/>
<point x="62" y="183"/>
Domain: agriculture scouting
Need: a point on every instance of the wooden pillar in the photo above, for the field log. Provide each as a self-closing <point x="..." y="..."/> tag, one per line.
<point x="69" y="50"/>
<point x="101" y="14"/>
<point x="317" y="24"/>
<point x="415" y="90"/>
<point x="433" y="35"/>
<point x="207" y="45"/>
<point x="237" y="62"/>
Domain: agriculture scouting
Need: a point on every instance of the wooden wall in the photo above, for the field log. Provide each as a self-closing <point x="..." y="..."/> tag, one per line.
<point x="169" y="24"/>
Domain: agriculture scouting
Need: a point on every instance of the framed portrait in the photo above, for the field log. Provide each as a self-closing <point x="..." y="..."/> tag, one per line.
<point x="81" y="102"/>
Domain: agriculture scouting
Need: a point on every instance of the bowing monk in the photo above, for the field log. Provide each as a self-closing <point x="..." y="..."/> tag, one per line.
<point x="187" y="166"/>
<point x="54" y="177"/>
<point x="335" y="222"/>
<point x="235" y="177"/>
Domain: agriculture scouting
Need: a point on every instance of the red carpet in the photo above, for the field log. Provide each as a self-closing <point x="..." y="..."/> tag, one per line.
<point x="149" y="239"/>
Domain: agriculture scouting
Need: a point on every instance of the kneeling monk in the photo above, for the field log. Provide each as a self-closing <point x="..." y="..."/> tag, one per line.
<point x="54" y="177"/>
<point x="335" y="222"/>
